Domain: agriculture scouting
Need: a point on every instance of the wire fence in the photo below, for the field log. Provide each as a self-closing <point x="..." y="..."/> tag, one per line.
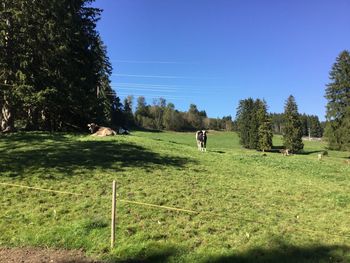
<point x="177" y="209"/>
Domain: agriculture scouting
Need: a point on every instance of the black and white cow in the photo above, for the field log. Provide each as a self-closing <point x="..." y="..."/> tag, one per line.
<point x="201" y="138"/>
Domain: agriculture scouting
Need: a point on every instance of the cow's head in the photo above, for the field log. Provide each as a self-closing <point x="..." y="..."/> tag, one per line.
<point x="93" y="127"/>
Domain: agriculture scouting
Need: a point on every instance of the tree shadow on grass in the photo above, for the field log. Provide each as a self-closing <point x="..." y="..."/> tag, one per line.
<point x="66" y="155"/>
<point x="277" y="149"/>
<point x="289" y="254"/>
<point x="216" y="151"/>
<point x="280" y="253"/>
<point x="153" y="253"/>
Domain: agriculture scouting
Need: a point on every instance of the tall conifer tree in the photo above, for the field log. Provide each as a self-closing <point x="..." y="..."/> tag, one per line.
<point x="254" y="126"/>
<point x="338" y="106"/>
<point x="54" y="71"/>
<point x="265" y="127"/>
<point x="292" y="131"/>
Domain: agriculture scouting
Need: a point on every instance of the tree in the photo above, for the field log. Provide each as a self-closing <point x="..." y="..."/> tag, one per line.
<point x="128" y="114"/>
<point x="195" y="118"/>
<point x="118" y="117"/>
<point x="254" y="126"/>
<point x="244" y="116"/>
<point x="53" y="64"/>
<point x="157" y="112"/>
<point x="265" y="127"/>
<point x="338" y="105"/>
<point x="173" y="120"/>
<point x="142" y="113"/>
<point x="292" y="132"/>
<point x="315" y="127"/>
<point x="277" y="122"/>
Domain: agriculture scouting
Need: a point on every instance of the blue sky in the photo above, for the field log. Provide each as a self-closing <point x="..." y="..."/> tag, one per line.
<point x="215" y="52"/>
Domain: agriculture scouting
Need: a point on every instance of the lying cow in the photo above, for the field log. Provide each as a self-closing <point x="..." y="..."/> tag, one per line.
<point x="100" y="131"/>
<point x="201" y="138"/>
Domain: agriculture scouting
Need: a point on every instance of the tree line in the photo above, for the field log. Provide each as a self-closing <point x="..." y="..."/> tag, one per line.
<point x="255" y="126"/>
<point x="161" y="115"/>
<point x="311" y="124"/>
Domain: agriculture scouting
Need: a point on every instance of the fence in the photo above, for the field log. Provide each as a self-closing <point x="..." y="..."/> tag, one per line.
<point x="114" y="200"/>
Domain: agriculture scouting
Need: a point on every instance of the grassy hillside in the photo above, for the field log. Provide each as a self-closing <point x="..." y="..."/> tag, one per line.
<point x="252" y="208"/>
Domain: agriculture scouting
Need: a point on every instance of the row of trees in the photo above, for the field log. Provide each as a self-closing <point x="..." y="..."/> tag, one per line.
<point x="164" y="116"/>
<point x="255" y="130"/>
<point x="255" y="125"/>
<point x="311" y="124"/>
<point x="54" y="70"/>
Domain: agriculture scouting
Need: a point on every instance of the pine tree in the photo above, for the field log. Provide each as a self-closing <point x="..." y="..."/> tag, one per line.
<point x="128" y="113"/>
<point x="53" y="64"/>
<point x="243" y="117"/>
<point x="11" y="47"/>
<point x="292" y="132"/>
<point x="315" y="127"/>
<point x="254" y="125"/>
<point x="338" y="106"/>
<point x="265" y="127"/>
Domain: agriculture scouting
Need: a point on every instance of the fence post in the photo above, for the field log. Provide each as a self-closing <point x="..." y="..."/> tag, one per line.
<point x="113" y="213"/>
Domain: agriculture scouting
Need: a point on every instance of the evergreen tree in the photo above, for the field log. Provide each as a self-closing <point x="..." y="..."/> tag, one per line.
<point x="338" y="106"/>
<point x="53" y="64"/>
<point x="292" y="132"/>
<point x="128" y="114"/>
<point x="265" y="128"/>
<point x="254" y="125"/>
<point x="118" y="117"/>
<point x="243" y="117"/>
<point x="305" y="124"/>
<point x="277" y="122"/>
<point x="315" y="127"/>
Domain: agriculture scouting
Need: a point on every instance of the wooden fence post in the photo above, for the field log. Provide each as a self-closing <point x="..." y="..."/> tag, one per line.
<point x="113" y="213"/>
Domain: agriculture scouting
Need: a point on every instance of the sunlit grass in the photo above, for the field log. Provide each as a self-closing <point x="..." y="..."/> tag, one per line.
<point x="251" y="207"/>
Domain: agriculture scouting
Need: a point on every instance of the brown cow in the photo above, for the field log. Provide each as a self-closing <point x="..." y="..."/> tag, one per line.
<point x="100" y="131"/>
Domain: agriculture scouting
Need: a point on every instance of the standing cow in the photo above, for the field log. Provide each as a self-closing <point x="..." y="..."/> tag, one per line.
<point x="201" y="138"/>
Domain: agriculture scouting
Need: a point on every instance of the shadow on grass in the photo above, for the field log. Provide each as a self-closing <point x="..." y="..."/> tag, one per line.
<point x="282" y="253"/>
<point x="289" y="254"/>
<point x="220" y="152"/>
<point x="277" y="149"/>
<point x="65" y="155"/>
<point x="153" y="253"/>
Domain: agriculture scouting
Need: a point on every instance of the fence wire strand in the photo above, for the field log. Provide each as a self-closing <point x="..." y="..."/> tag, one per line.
<point x="166" y="207"/>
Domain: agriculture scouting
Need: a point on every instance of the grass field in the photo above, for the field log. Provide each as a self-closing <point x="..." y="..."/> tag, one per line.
<point x="252" y="208"/>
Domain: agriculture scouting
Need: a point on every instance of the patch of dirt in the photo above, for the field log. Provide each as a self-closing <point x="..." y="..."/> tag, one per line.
<point x="41" y="255"/>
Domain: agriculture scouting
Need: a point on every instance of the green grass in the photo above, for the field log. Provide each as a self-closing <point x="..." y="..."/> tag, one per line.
<point x="253" y="208"/>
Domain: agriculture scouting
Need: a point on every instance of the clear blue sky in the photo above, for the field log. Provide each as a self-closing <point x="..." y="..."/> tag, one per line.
<point x="215" y="52"/>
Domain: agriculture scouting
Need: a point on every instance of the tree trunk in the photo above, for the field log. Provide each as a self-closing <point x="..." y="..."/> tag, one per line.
<point x="32" y="120"/>
<point x="1" y="118"/>
<point x="7" y="122"/>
